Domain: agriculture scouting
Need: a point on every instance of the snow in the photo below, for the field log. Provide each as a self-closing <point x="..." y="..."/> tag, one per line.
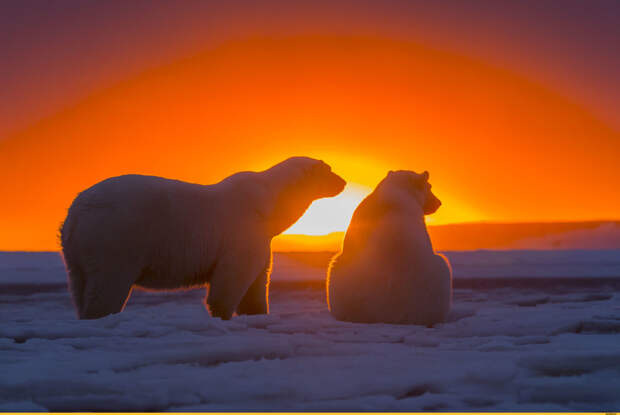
<point x="515" y="347"/>
<point x="535" y="263"/>
<point x="47" y="267"/>
<point x="31" y="267"/>
<point x="483" y="264"/>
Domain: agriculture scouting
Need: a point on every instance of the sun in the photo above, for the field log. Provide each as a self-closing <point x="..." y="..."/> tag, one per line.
<point x="328" y="215"/>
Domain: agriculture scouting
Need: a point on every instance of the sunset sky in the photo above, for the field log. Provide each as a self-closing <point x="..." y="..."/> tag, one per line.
<point x="513" y="107"/>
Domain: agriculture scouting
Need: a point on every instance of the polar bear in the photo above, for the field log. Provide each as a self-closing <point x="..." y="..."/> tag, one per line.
<point x="387" y="271"/>
<point x="160" y="234"/>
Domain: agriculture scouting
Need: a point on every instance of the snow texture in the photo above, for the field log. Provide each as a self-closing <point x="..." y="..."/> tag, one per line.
<point x="513" y="348"/>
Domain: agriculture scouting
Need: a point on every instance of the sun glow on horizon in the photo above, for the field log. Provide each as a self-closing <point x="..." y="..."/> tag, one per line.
<point x="328" y="215"/>
<point x="498" y="146"/>
<point x="323" y="225"/>
<point x="332" y="214"/>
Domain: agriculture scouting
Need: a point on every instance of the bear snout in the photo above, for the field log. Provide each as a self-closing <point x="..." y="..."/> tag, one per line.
<point x="335" y="184"/>
<point x="432" y="204"/>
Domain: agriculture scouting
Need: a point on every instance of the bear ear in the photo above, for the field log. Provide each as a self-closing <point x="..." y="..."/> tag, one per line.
<point x="324" y="166"/>
<point x="319" y="169"/>
<point x="425" y="176"/>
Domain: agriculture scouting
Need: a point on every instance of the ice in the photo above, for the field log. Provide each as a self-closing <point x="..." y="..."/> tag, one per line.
<point x="480" y="264"/>
<point x="18" y="268"/>
<point x="31" y="267"/>
<point x="535" y="263"/>
<point x="603" y="236"/>
<point x="510" y="348"/>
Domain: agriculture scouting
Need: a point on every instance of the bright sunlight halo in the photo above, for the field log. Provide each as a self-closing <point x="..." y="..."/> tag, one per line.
<point x="331" y="214"/>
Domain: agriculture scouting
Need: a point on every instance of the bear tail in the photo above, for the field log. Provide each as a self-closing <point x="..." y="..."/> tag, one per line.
<point x="76" y="279"/>
<point x="76" y="282"/>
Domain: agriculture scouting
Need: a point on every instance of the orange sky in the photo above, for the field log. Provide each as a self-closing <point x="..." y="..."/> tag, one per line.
<point x="499" y="147"/>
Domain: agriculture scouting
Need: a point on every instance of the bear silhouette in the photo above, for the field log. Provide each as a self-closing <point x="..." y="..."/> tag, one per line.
<point x="160" y="234"/>
<point x="387" y="271"/>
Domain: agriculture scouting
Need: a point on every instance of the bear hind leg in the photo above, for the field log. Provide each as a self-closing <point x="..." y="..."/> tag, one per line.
<point x="106" y="292"/>
<point x="76" y="281"/>
<point x="256" y="299"/>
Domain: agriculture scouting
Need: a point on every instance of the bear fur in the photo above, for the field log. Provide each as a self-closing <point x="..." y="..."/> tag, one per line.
<point x="387" y="271"/>
<point x="160" y="234"/>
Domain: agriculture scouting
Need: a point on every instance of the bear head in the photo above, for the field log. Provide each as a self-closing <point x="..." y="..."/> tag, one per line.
<point x="416" y="186"/>
<point x="311" y="176"/>
<point x="297" y="182"/>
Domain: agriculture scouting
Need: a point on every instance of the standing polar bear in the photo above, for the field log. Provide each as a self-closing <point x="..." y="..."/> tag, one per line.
<point x="387" y="271"/>
<point x="163" y="234"/>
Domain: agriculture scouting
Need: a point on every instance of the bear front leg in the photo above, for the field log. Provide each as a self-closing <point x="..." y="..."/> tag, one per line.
<point x="256" y="299"/>
<point x="233" y="276"/>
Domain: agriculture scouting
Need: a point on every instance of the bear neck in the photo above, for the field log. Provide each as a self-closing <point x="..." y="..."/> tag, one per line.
<point x="291" y="195"/>
<point x="286" y="211"/>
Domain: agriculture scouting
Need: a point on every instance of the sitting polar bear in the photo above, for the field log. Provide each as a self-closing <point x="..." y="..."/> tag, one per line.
<point x="162" y="234"/>
<point x="387" y="271"/>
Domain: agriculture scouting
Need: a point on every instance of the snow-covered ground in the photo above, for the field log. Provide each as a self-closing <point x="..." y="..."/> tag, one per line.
<point x="48" y="268"/>
<point x="515" y="346"/>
